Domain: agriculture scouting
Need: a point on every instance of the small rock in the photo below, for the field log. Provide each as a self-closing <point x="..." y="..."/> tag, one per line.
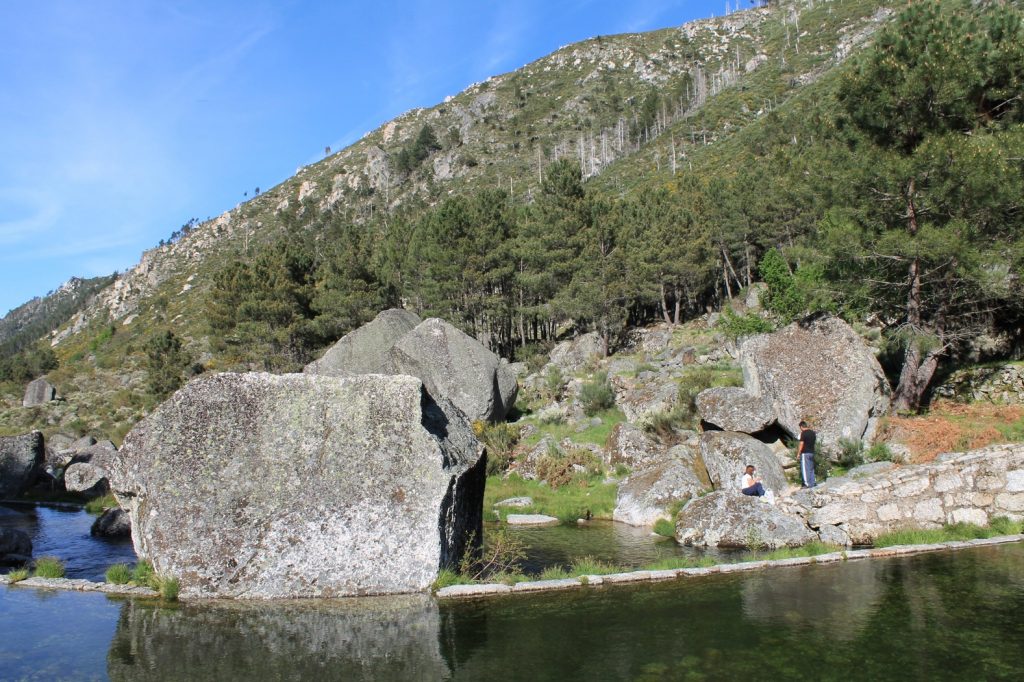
<point x="530" y="520"/>
<point x="39" y="392"/>
<point x="112" y="523"/>
<point x="15" y="545"/>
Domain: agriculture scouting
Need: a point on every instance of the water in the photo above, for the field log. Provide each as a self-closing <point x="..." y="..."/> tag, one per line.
<point x="945" y="616"/>
<point x="64" y="533"/>
<point x="614" y="543"/>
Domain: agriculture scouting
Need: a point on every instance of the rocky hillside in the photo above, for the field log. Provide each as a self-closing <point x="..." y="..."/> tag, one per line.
<point x="25" y="324"/>
<point x="632" y="110"/>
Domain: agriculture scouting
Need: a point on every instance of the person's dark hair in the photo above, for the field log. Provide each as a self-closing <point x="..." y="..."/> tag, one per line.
<point x="750" y="466"/>
<point x="803" y="425"/>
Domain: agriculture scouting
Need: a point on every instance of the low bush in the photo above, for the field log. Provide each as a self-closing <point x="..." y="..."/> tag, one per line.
<point x="665" y="528"/>
<point x="98" y="505"/>
<point x="17" y="575"/>
<point x="49" y="567"/>
<point x="597" y="395"/>
<point x="501" y="441"/>
<point x="168" y="588"/>
<point x="562" y="468"/>
<point x="143" y="574"/>
<point x="119" y="574"/>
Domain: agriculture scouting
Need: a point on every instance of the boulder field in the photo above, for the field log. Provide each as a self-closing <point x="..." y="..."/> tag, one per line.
<point x="262" y="486"/>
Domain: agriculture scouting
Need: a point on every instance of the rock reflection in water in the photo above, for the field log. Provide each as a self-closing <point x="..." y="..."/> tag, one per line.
<point x="840" y="597"/>
<point x="392" y="638"/>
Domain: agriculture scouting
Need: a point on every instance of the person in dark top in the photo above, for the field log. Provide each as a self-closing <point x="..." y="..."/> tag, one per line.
<point x="805" y="454"/>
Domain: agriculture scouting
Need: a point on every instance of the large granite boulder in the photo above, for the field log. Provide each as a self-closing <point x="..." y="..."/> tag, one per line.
<point x="452" y="364"/>
<point x="822" y="371"/>
<point x="727" y="454"/>
<point x="364" y="350"/>
<point x="731" y="408"/>
<point x="39" y="392"/>
<point x="576" y="354"/>
<point x="722" y="519"/>
<point x="648" y="494"/>
<point x="633" y="447"/>
<point x="21" y="458"/>
<point x="15" y="546"/>
<point x="85" y="477"/>
<point x="643" y="397"/>
<point x="457" y="367"/>
<point x="261" y="486"/>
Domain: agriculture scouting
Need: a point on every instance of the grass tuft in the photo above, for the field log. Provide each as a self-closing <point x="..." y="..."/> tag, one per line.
<point x="665" y="528"/>
<point x="949" y="533"/>
<point x="49" y="567"/>
<point x="119" y="574"/>
<point x="168" y="588"/>
<point x="97" y="505"/>
<point x="16" y="576"/>
<point x="143" y="574"/>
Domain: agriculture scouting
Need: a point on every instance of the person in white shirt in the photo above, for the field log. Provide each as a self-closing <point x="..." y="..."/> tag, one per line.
<point x="751" y="485"/>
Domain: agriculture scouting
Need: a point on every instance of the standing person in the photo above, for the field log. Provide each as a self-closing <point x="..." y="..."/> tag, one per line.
<point x="751" y="485"/>
<point x="805" y="453"/>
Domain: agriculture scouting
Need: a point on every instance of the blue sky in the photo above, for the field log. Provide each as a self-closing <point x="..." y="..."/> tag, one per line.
<point x="120" y="121"/>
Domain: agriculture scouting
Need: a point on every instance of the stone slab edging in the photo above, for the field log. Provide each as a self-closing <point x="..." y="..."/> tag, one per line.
<point x="533" y="586"/>
<point x="79" y="585"/>
<point x="633" y="577"/>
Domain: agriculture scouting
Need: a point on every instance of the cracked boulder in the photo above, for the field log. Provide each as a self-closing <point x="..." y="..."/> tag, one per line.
<point x="273" y="486"/>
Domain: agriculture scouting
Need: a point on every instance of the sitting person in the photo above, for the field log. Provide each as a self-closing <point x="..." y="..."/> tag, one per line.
<point x="751" y="485"/>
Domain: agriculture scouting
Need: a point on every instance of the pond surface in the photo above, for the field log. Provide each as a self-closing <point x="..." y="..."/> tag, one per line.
<point x="64" y="533"/>
<point x="944" y="616"/>
<point x="614" y="543"/>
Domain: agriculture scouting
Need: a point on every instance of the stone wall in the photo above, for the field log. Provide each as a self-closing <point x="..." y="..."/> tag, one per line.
<point x="972" y="487"/>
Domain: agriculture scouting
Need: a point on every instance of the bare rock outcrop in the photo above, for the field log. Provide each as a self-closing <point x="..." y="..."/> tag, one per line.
<point x="731" y="408"/>
<point x="726" y="455"/>
<point x="649" y="493"/>
<point x="451" y="364"/>
<point x="819" y="370"/>
<point x="39" y="392"/>
<point x="724" y="519"/>
<point x="365" y="350"/>
<point x="262" y="486"/>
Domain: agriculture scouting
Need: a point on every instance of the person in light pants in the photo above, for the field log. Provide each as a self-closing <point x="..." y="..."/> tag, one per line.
<point x="805" y="453"/>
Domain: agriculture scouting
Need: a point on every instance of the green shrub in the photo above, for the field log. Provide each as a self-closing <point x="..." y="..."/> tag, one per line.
<point x="879" y="452"/>
<point x="597" y="395"/>
<point x="588" y="565"/>
<point x="49" y="567"/>
<point x="501" y="441"/>
<point x="736" y="326"/>
<point x="17" y="575"/>
<point x="560" y="468"/>
<point x="143" y="574"/>
<point x="1001" y="525"/>
<point x="553" y="382"/>
<point x="168" y="588"/>
<point x="98" y="505"/>
<point x="119" y="574"/>
<point x="851" y="452"/>
<point x="665" y="528"/>
<point x="554" y="573"/>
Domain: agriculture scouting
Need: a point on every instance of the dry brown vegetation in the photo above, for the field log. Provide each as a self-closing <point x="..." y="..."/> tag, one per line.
<point x="952" y="427"/>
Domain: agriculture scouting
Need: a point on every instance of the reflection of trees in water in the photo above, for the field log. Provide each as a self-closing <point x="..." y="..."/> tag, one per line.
<point x="838" y="597"/>
<point x="393" y="638"/>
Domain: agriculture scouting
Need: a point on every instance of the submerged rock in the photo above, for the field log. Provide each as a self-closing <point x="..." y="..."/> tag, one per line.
<point x="727" y="519"/>
<point x="15" y="546"/>
<point x="112" y="523"/>
<point x="260" y="486"/>
<point x="21" y="458"/>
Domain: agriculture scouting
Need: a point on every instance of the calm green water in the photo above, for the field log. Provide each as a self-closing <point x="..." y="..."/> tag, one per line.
<point x="953" y="616"/>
